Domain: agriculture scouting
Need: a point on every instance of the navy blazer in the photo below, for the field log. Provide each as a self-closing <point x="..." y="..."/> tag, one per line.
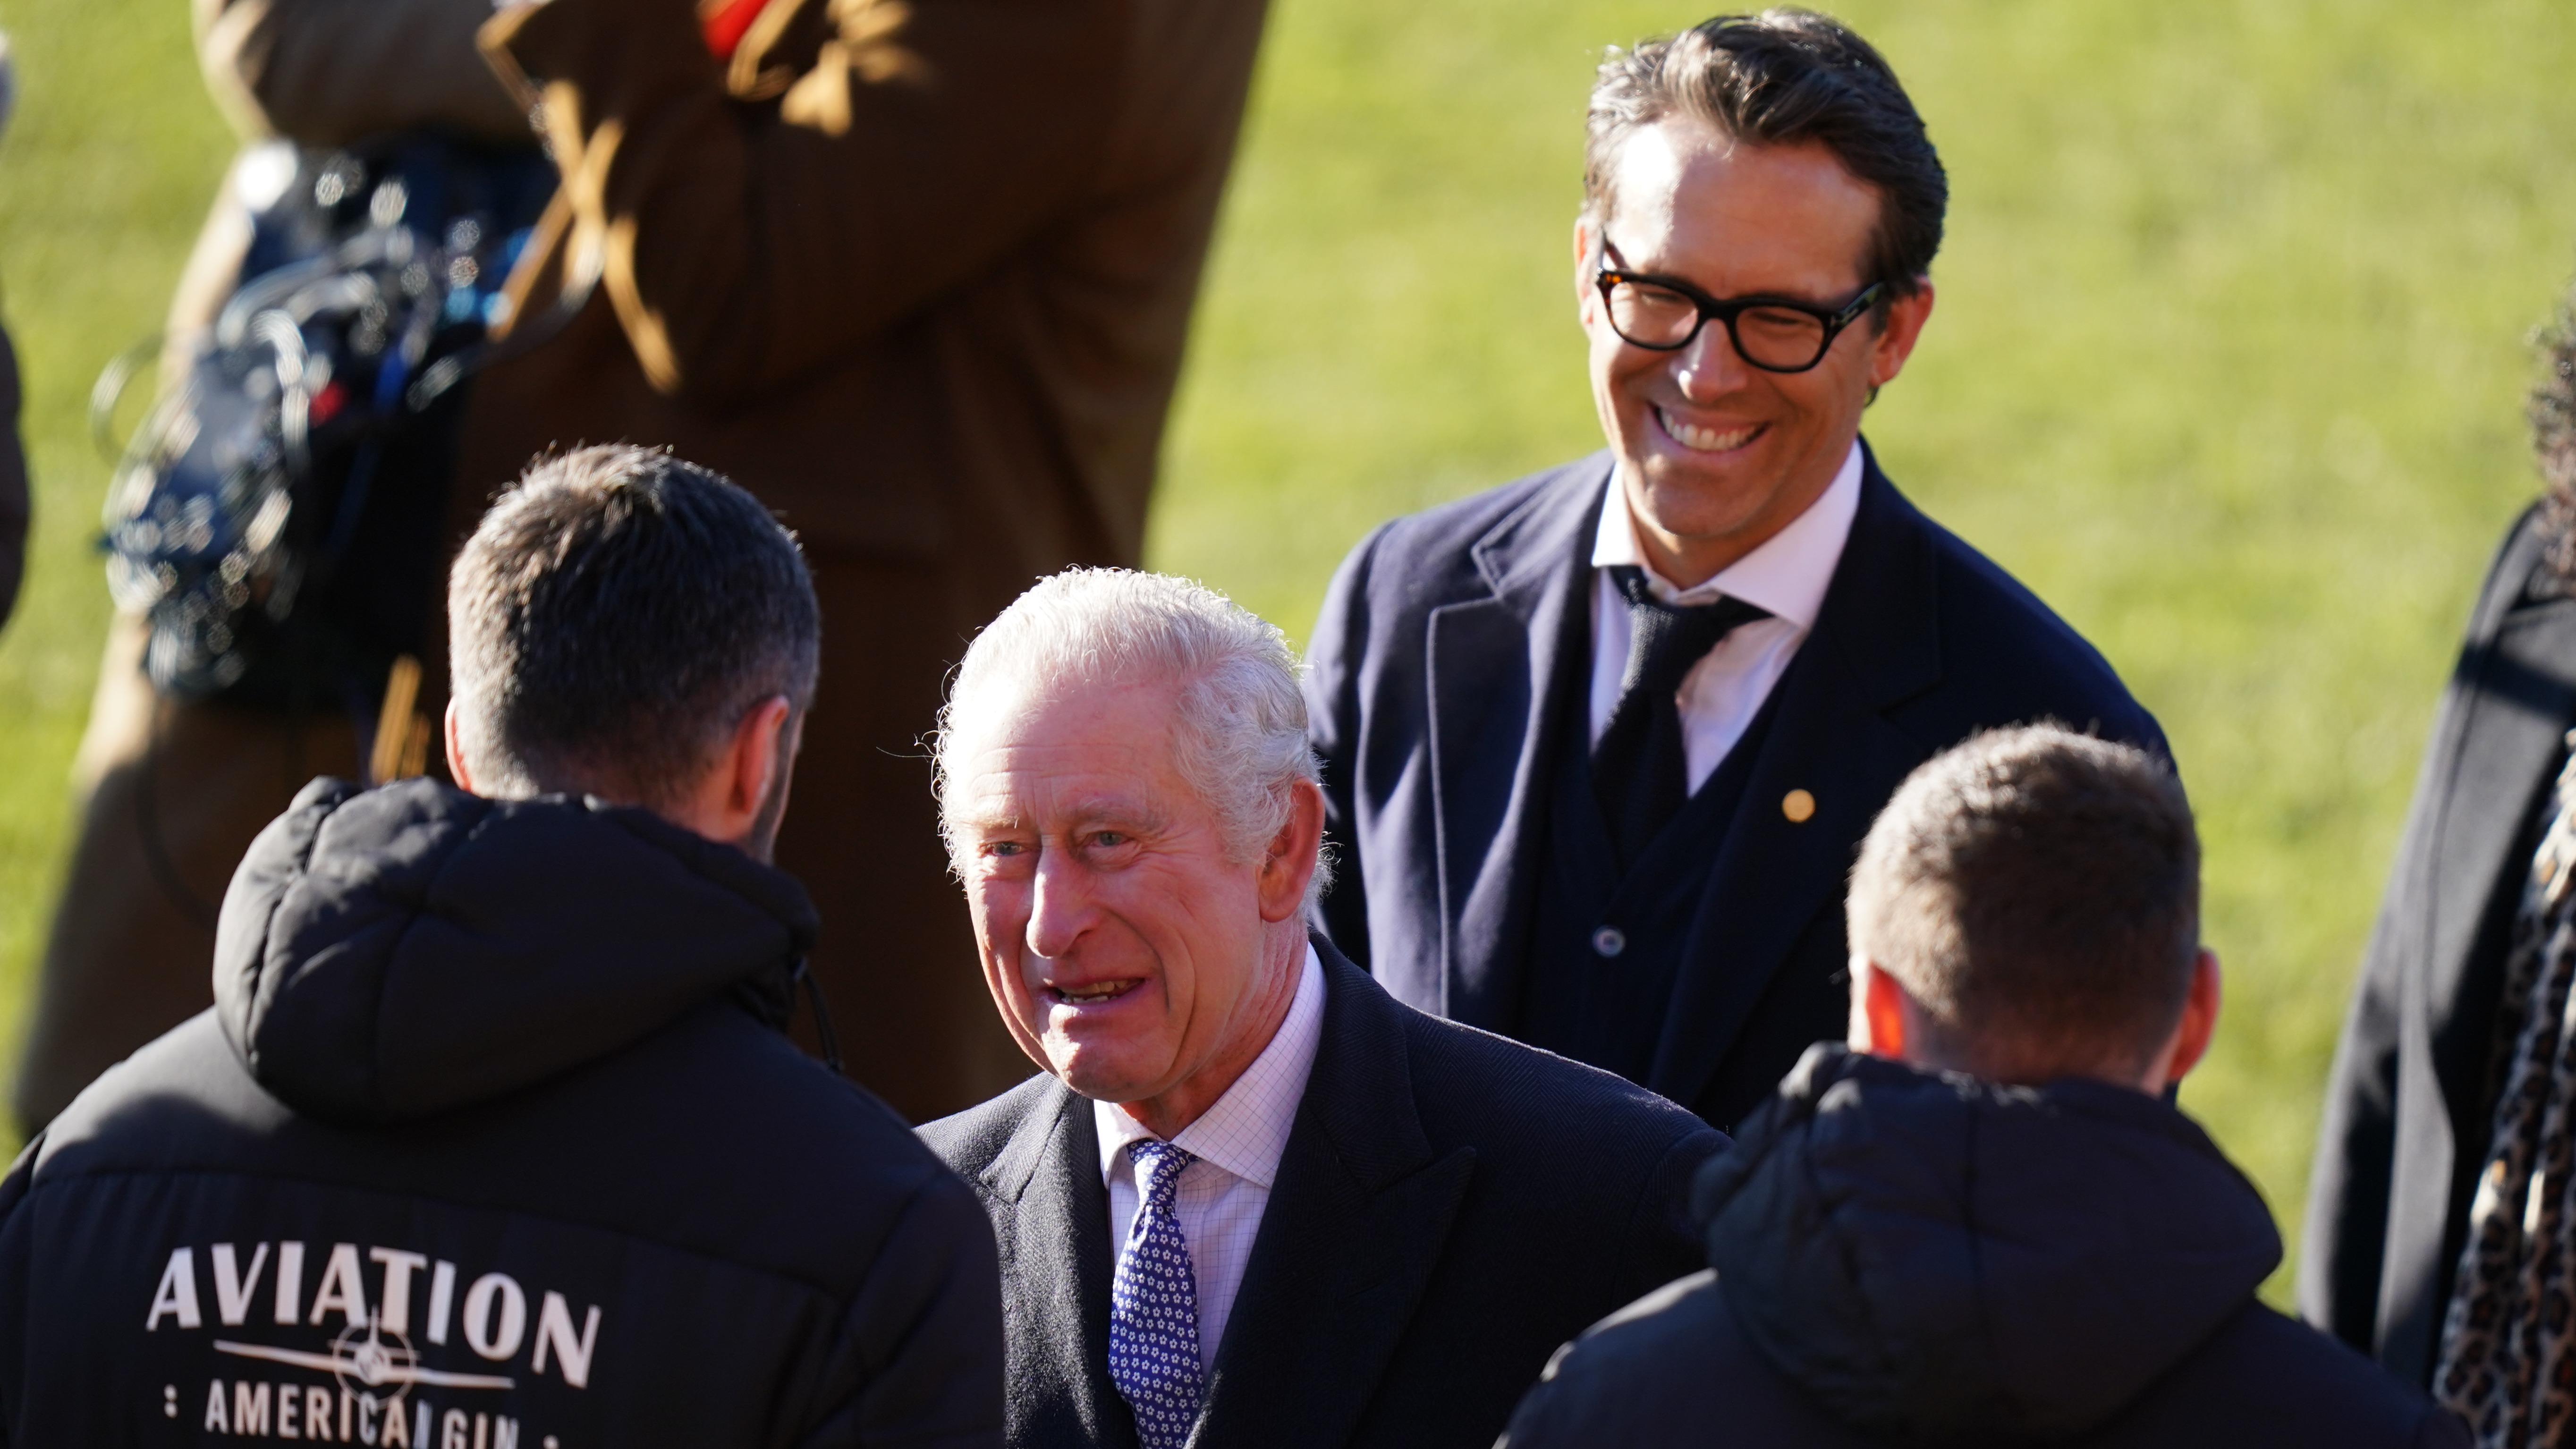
<point x="1450" y="1208"/>
<point x="1446" y="634"/>
<point x="2409" y="1108"/>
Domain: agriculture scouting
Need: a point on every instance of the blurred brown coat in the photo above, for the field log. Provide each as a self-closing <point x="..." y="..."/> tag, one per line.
<point x="918" y="275"/>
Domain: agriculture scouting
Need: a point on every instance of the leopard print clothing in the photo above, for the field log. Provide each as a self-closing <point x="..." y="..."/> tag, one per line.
<point x="2508" y="1364"/>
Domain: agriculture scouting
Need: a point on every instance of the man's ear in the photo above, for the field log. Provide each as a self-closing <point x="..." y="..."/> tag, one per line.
<point x="726" y="802"/>
<point x="1585" y="297"/>
<point x="1903" y="328"/>
<point x="456" y="754"/>
<point x="1288" y="865"/>
<point x="753" y="761"/>
<point x="2199" y="1022"/>
<point x="1877" y="1010"/>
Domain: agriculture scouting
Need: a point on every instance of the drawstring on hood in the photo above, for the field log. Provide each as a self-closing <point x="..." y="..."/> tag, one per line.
<point x="1940" y="1260"/>
<point x="391" y="954"/>
<point x="802" y="975"/>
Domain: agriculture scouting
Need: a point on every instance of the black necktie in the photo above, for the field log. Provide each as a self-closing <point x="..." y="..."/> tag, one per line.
<point x="1638" y="769"/>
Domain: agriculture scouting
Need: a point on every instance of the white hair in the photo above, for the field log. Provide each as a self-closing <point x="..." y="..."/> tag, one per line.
<point x="1238" y="726"/>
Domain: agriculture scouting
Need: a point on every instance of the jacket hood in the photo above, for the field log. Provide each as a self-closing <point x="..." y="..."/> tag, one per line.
<point x="390" y="954"/>
<point x="1938" y="1260"/>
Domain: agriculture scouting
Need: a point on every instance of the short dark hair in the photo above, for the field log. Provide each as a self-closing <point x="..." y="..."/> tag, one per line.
<point x="1780" y="78"/>
<point x="612" y="619"/>
<point x="2037" y="892"/>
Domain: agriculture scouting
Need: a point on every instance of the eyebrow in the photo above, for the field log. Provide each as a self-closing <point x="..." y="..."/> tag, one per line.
<point x="1140" y="814"/>
<point x="1688" y="287"/>
<point x="1092" y="810"/>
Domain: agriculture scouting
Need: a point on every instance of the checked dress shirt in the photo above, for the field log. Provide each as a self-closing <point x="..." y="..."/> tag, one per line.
<point x="1236" y="1145"/>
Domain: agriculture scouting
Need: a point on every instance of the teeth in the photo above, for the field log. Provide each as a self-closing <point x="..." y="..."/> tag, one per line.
<point x="1092" y="993"/>
<point x="1705" y="440"/>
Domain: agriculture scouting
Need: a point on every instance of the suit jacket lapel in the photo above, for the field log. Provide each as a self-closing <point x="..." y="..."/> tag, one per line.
<point x="1494" y="665"/>
<point x="1056" y="1266"/>
<point x="1348" y="1242"/>
<point x="1876" y="643"/>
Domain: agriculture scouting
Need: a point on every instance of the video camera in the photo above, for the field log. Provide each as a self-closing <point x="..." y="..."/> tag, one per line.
<point x="277" y="516"/>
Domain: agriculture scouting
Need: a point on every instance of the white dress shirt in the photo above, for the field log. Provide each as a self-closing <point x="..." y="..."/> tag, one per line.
<point x="1238" y="1142"/>
<point x="1788" y="575"/>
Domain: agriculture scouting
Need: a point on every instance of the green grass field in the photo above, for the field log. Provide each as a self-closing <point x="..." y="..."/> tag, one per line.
<point x="2227" y="364"/>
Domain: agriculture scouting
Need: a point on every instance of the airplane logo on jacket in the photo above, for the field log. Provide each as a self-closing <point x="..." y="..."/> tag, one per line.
<point x="368" y="1359"/>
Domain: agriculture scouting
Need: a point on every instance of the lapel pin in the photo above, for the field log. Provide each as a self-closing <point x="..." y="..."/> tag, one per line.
<point x="1799" y="806"/>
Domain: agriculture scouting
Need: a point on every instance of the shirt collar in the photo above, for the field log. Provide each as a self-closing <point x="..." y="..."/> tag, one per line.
<point x="1246" y="1130"/>
<point x="1787" y="573"/>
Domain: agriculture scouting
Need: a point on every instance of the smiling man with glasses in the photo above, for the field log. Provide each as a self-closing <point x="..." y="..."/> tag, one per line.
<point x="1598" y="745"/>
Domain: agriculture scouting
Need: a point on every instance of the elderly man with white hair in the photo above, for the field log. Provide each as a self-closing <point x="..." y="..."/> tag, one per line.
<point x="1253" y="1199"/>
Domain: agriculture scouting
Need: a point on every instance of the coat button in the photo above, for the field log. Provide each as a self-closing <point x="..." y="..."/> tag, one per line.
<point x="1609" y="941"/>
<point x="1799" y="806"/>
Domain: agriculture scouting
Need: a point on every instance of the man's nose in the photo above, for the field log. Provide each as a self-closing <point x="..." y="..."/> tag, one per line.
<point x="1060" y="905"/>
<point x="1709" y="367"/>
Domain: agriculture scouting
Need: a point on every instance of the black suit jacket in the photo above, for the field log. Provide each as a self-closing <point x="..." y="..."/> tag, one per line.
<point x="2407" y="1113"/>
<point x="1446" y="634"/>
<point x="1450" y="1208"/>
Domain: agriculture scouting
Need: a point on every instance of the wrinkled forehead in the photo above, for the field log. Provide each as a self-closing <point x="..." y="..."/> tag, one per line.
<point x="1048" y="789"/>
<point x="1030" y="756"/>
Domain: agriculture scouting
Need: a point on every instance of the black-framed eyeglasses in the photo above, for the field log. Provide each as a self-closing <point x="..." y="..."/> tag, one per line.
<point x="1776" y="334"/>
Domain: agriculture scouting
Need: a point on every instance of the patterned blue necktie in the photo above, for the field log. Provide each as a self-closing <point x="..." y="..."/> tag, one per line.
<point x="1154" y="1308"/>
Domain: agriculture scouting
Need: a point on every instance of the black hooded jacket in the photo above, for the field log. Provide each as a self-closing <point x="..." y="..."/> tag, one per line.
<point x="1901" y="1258"/>
<point x="492" y="1141"/>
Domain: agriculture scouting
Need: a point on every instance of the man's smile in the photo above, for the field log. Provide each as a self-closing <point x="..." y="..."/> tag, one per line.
<point x="1706" y="440"/>
<point x="1089" y="993"/>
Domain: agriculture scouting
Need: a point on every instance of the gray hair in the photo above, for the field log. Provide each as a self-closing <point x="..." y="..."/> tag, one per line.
<point x="612" y="619"/>
<point x="2037" y="892"/>
<point x="1239" y="725"/>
